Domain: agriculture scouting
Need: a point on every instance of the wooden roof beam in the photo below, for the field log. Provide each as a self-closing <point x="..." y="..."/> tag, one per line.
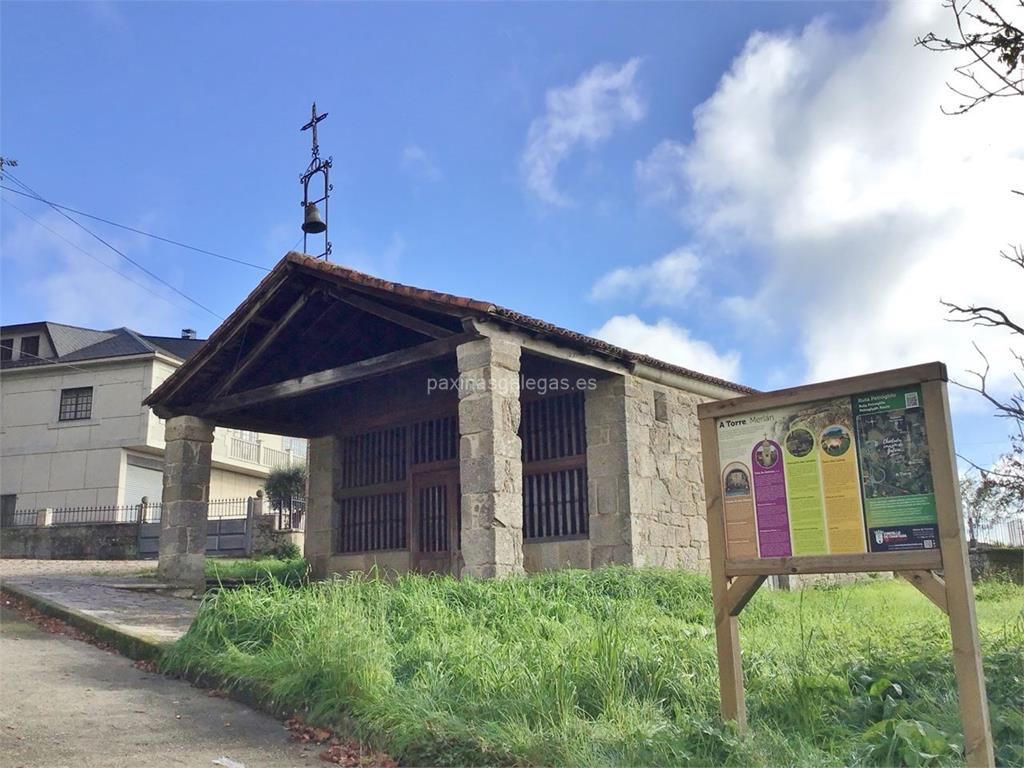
<point x="390" y="314"/>
<point x="261" y="347"/>
<point x="215" y="344"/>
<point x="335" y="377"/>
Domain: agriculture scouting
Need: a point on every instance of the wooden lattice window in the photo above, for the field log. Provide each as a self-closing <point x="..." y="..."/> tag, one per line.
<point x="435" y="440"/>
<point x="553" y="428"/>
<point x="433" y="519"/>
<point x="554" y="468"/>
<point x="371" y="523"/>
<point x="373" y="458"/>
<point x="555" y="504"/>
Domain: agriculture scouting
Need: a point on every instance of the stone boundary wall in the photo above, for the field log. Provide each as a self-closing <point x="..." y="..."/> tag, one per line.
<point x="103" y="541"/>
<point x="265" y="539"/>
<point x="993" y="562"/>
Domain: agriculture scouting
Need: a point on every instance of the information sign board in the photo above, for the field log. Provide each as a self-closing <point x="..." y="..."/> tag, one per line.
<point x="852" y="475"/>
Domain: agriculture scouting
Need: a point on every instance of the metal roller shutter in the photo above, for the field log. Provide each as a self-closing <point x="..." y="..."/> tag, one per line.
<point x="143" y="481"/>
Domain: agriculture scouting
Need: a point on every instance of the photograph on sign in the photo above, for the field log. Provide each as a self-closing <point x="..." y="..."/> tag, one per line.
<point x="844" y="475"/>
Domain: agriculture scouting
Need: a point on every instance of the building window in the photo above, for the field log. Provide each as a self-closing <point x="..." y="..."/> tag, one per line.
<point x="435" y="440"/>
<point x="75" y="404"/>
<point x="6" y="349"/>
<point x="373" y="458"/>
<point x="554" y="435"/>
<point x="371" y="523"/>
<point x="30" y="346"/>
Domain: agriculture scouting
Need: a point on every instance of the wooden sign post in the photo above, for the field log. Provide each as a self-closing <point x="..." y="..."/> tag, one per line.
<point x="846" y="476"/>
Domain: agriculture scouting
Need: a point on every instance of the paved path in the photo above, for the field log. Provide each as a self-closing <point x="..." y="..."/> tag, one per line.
<point x="66" y="704"/>
<point x="112" y="592"/>
<point x="19" y="567"/>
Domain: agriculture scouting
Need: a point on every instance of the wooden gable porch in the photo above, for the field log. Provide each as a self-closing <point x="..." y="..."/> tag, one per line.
<point x="406" y="471"/>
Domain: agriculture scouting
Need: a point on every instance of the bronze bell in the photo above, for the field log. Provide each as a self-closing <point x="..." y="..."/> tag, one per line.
<point x="313" y="224"/>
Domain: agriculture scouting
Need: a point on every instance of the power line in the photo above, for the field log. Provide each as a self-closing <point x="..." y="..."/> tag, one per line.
<point x="95" y="258"/>
<point x="132" y="229"/>
<point x="120" y="253"/>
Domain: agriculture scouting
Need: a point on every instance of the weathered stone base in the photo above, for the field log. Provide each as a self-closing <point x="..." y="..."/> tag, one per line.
<point x="490" y="458"/>
<point x="187" y="459"/>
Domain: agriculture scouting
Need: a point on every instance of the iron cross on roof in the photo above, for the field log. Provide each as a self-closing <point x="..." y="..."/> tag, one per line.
<point x="312" y="124"/>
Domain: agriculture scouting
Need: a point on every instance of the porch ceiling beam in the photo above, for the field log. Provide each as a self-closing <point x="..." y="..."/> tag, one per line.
<point x="335" y="377"/>
<point x="544" y="348"/>
<point x="391" y="314"/>
<point x="266" y="341"/>
<point x="209" y="349"/>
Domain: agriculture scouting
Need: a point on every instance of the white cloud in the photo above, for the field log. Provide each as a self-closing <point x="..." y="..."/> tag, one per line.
<point x="827" y="152"/>
<point x="586" y="112"/>
<point x="66" y="286"/>
<point x="419" y="164"/>
<point x="659" y="176"/>
<point x="663" y="282"/>
<point x="670" y="342"/>
<point x="383" y="261"/>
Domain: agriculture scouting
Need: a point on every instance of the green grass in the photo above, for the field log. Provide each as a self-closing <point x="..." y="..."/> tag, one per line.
<point x="612" y="667"/>
<point x="257" y="570"/>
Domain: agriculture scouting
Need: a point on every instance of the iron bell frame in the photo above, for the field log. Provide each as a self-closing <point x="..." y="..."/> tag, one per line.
<point x="321" y="168"/>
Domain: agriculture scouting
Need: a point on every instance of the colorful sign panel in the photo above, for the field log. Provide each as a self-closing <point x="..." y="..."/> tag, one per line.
<point x="841" y="476"/>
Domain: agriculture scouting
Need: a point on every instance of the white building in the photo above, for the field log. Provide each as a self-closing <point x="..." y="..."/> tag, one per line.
<point x="74" y="432"/>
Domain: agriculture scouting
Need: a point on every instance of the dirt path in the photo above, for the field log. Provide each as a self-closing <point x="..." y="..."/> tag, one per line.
<point x="66" y="703"/>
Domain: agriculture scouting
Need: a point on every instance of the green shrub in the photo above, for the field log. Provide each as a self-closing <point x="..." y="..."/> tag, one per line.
<point x="285" y="483"/>
<point x="258" y="570"/>
<point x="610" y="667"/>
<point x="998" y="587"/>
<point x="907" y="743"/>
<point x="286" y="550"/>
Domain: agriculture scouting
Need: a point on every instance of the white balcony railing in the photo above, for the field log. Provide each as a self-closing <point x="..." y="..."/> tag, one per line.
<point x="243" y="450"/>
<point x="274" y="458"/>
<point x="257" y="453"/>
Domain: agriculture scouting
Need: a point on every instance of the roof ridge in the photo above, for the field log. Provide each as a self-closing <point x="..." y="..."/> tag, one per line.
<point x="138" y="337"/>
<point x="509" y="315"/>
<point x="77" y="327"/>
<point x="446" y="303"/>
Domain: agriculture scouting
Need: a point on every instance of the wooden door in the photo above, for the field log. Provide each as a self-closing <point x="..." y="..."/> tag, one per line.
<point x="435" y="517"/>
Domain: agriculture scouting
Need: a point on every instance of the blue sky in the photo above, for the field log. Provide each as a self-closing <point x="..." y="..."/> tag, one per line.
<point x="735" y="187"/>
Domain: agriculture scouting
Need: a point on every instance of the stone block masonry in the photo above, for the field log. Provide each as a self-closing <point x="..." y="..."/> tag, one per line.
<point x="186" y="493"/>
<point x="608" y="474"/>
<point x="104" y="541"/>
<point x="666" y="486"/>
<point x="322" y="458"/>
<point x="645" y="488"/>
<point x="490" y="457"/>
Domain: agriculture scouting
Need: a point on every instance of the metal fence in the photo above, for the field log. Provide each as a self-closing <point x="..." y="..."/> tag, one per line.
<point x="227" y="508"/>
<point x="21" y="518"/>
<point x="1009" y="533"/>
<point x="291" y="516"/>
<point x="137" y="513"/>
<point x="82" y="515"/>
<point x="86" y="515"/>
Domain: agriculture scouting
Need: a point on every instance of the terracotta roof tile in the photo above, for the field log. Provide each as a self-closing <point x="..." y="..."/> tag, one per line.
<point x="442" y="302"/>
<point x="517" y="318"/>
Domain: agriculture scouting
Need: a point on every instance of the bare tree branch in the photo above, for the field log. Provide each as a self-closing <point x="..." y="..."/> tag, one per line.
<point x="993" y="43"/>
